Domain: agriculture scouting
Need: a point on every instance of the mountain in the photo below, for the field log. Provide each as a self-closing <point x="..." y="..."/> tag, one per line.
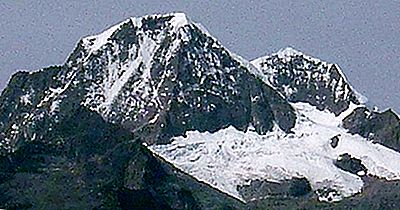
<point x="302" y="78"/>
<point x="154" y="113"/>
<point x="320" y="147"/>
<point x="141" y="69"/>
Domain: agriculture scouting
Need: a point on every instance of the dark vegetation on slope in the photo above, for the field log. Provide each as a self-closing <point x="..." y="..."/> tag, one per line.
<point x="98" y="165"/>
<point x="376" y="194"/>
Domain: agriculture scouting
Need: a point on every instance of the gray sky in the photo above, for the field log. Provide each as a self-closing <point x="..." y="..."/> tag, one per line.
<point x="363" y="37"/>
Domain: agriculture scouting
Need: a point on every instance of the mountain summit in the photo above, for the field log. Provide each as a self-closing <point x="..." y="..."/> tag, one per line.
<point x="155" y="113"/>
<point x="302" y="78"/>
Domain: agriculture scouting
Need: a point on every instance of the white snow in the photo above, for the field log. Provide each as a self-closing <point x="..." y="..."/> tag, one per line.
<point x="95" y="42"/>
<point x="154" y="119"/>
<point x="26" y="99"/>
<point x="288" y="52"/>
<point x="229" y="157"/>
<point x="55" y="106"/>
<point x="53" y="93"/>
<point x="361" y="173"/>
<point x="179" y="20"/>
<point x="145" y="57"/>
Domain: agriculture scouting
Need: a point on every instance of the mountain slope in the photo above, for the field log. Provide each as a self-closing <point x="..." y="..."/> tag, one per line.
<point x="233" y="160"/>
<point x="160" y="70"/>
<point x="302" y="78"/>
<point x="99" y="165"/>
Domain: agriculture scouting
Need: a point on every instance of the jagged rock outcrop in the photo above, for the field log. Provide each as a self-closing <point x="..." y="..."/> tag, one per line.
<point x="295" y="187"/>
<point x="380" y="127"/>
<point x="353" y="165"/>
<point x="301" y="78"/>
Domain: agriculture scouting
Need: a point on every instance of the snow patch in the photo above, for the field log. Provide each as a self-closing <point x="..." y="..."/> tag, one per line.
<point x="95" y="42"/>
<point x="26" y="99"/>
<point x="288" y="52"/>
<point x="179" y="20"/>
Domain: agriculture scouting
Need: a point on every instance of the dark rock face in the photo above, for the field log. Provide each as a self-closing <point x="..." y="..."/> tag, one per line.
<point x="299" y="187"/>
<point x="335" y="141"/>
<point x="357" y="122"/>
<point x="220" y="91"/>
<point x="381" y="127"/>
<point x="301" y="78"/>
<point x="377" y="194"/>
<point x="262" y="189"/>
<point x="351" y="164"/>
<point x="20" y="115"/>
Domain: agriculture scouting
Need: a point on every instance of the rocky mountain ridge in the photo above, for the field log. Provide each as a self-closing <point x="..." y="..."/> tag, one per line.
<point x="302" y="78"/>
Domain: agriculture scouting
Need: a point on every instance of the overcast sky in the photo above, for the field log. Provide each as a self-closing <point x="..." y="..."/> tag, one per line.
<point x="363" y="37"/>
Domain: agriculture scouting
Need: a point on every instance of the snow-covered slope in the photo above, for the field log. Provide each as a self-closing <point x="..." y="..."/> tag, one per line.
<point x="230" y="158"/>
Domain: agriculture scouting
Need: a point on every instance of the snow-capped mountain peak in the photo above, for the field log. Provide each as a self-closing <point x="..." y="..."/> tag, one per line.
<point x="303" y="78"/>
<point x="179" y="20"/>
<point x="126" y="54"/>
<point x="175" y="21"/>
<point x="288" y="52"/>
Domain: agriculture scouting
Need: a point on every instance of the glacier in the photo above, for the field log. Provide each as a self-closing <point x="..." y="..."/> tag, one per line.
<point x="229" y="158"/>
